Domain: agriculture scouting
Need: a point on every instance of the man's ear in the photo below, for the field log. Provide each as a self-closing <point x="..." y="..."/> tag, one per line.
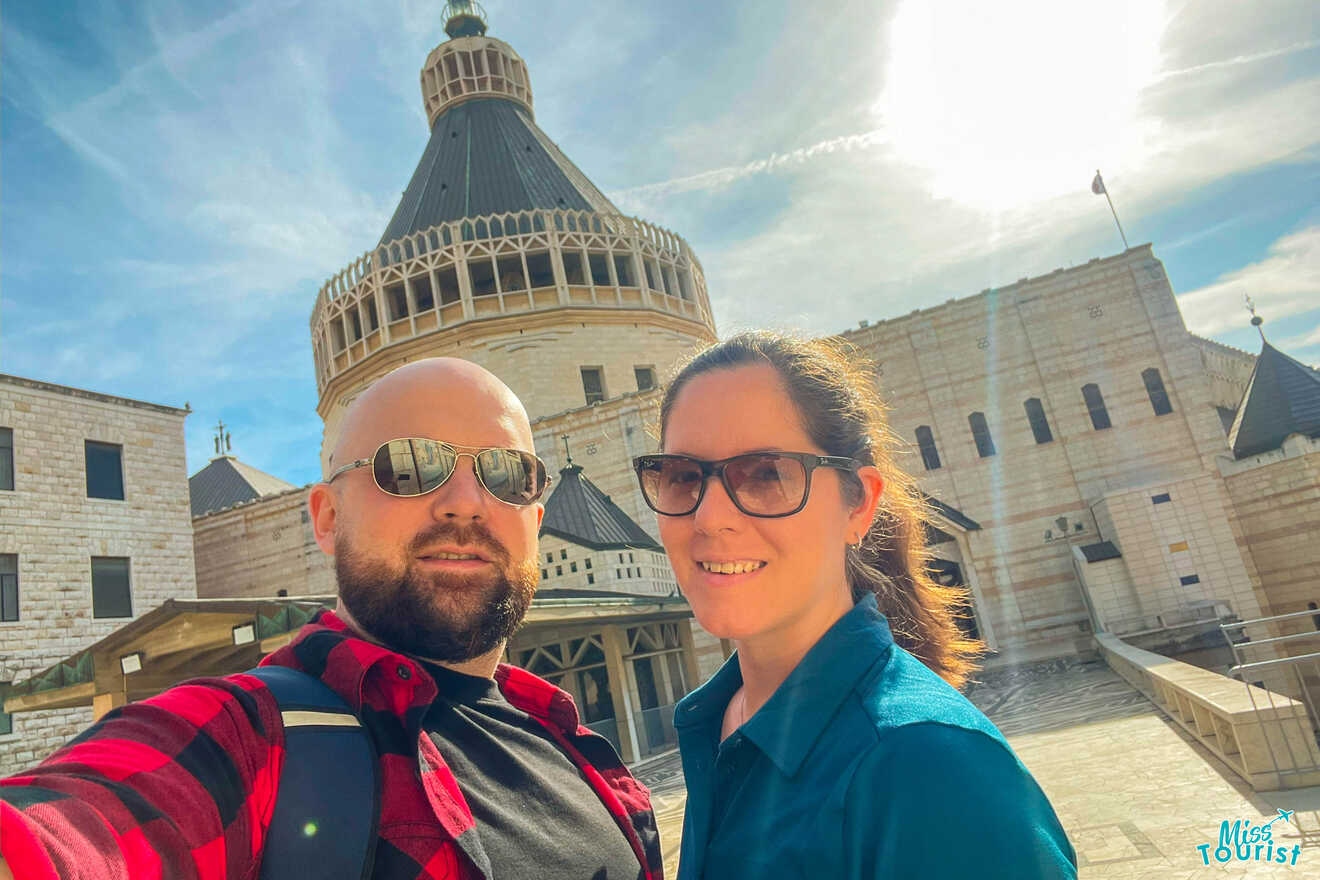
<point x="321" y="506"/>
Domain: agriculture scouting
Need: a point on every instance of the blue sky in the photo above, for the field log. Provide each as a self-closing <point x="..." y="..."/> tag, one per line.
<point x="180" y="177"/>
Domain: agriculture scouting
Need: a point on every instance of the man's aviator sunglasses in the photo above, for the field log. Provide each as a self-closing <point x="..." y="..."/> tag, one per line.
<point x="765" y="484"/>
<point x="415" y="465"/>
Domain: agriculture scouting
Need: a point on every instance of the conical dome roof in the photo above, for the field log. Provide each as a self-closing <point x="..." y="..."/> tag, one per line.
<point x="1282" y="398"/>
<point x="487" y="156"/>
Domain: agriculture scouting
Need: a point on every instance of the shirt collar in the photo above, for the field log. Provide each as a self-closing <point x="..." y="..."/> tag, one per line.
<point x="792" y="720"/>
<point x="354" y="668"/>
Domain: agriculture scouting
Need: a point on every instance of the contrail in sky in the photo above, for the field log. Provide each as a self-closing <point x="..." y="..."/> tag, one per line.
<point x="1239" y="59"/>
<point x="720" y="177"/>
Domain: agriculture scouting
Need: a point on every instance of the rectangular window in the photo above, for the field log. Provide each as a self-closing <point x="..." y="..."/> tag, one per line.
<point x="563" y="553"/>
<point x="105" y="470"/>
<point x="621" y="557"/>
<point x="1188" y="579"/>
<point x="112" y="595"/>
<point x="422" y="293"/>
<point x="985" y="444"/>
<point x="630" y="558"/>
<point x="591" y="579"/>
<point x="6" y="458"/>
<point x="587" y="563"/>
<point x="447" y="279"/>
<point x="623" y="270"/>
<point x="544" y="574"/>
<point x="8" y="587"/>
<point x="398" y="302"/>
<point x="6" y="720"/>
<point x="559" y="570"/>
<point x="930" y="455"/>
<point x="1159" y="397"/>
<point x="645" y="378"/>
<point x="600" y="273"/>
<point x="511" y="274"/>
<point x="539" y="271"/>
<point x="572" y="566"/>
<point x="549" y="557"/>
<point x="1162" y="498"/>
<point x="482" y="273"/>
<point x="573" y="267"/>
<point x="593" y="384"/>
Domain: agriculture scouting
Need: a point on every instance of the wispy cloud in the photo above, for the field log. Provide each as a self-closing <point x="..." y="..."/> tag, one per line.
<point x="1239" y="60"/>
<point x="1288" y="280"/>
<point x="718" y="178"/>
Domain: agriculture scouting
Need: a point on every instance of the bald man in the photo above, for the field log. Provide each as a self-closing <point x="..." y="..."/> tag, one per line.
<point x="431" y="511"/>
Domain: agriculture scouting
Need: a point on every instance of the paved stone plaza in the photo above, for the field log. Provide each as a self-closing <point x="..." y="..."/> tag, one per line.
<point x="1135" y="793"/>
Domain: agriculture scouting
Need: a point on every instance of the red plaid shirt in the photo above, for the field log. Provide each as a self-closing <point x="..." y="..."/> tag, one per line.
<point x="184" y="784"/>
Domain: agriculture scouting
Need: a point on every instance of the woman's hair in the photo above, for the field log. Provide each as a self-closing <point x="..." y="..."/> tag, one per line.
<point x="833" y="388"/>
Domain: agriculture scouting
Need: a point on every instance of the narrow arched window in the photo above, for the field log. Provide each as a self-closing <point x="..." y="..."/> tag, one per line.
<point x="985" y="445"/>
<point x="1095" y="405"/>
<point x="1040" y="428"/>
<point x="1159" y="398"/>
<point x="930" y="456"/>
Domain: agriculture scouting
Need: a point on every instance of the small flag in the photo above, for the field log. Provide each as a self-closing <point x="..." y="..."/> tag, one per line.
<point x="1098" y="185"/>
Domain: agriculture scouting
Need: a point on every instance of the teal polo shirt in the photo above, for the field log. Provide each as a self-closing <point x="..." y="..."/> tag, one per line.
<point x="863" y="764"/>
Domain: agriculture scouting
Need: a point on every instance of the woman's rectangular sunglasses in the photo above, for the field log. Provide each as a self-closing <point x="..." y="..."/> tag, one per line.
<point x="416" y="465"/>
<point x="765" y="484"/>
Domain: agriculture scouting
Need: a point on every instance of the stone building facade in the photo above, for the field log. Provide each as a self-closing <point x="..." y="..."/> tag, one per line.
<point x="1070" y="410"/>
<point x="94" y="532"/>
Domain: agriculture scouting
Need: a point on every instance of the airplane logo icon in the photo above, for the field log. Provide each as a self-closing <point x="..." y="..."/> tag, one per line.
<point x="1285" y="815"/>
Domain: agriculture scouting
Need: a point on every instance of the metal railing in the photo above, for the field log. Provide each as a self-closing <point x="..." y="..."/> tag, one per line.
<point x="1291" y="676"/>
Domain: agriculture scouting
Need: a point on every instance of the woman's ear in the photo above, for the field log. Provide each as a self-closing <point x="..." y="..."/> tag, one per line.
<point x="863" y="514"/>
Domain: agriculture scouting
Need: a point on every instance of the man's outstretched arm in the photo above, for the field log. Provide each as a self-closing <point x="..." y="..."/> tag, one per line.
<point x="182" y="785"/>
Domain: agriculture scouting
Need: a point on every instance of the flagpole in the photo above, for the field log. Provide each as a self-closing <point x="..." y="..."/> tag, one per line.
<point x="1111" y="209"/>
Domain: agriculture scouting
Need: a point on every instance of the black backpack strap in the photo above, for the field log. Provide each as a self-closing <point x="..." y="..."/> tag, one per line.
<point x="327" y="806"/>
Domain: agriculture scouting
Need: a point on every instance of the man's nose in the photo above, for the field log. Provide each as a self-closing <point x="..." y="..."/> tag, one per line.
<point x="462" y="495"/>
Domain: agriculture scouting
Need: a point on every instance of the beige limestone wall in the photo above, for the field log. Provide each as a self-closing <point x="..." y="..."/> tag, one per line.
<point x="1229" y="370"/>
<point x="259" y="548"/>
<point x="541" y="357"/>
<point x="1188" y="536"/>
<point x="1277" y="500"/>
<point x="55" y="529"/>
<point x="1045" y="338"/>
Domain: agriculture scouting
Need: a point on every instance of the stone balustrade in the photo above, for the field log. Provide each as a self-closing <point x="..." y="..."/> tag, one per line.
<point x="487" y="267"/>
<point x="1265" y="737"/>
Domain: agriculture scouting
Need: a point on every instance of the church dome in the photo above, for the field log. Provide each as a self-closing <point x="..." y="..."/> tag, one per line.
<point x="502" y="251"/>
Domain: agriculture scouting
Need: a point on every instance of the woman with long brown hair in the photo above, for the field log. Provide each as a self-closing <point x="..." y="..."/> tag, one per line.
<point x="834" y="743"/>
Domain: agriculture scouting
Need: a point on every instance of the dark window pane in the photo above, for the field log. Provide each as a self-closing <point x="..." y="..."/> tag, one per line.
<point x="593" y="384"/>
<point x="8" y="587"/>
<point x="105" y="472"/>
<point x="1189" y="579"/>
<point x="1162" y="498"/>
<point x="645" y="378"/>
<point x="6" y="720"/>
<point x="6" y="458"/>
<point x="573" y="267"/>
<point x="1095" y="405"/>
<point x="447" y="278"/>
<point x="538" y="267"/>
<point x="600" y="273"/>
<point x="482" y="273"/>
<point x="1159" y="398"/>
<point x="930" y="456"/>
<point x="111" y="594"/>
<point x="422" y="293"/>
<point x="985" y="445"/>
<point x="1040" y="428"/>
<point x="623" y="270"/>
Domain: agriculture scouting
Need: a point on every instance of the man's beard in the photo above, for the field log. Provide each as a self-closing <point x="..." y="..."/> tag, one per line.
<point x="448" y="617"/>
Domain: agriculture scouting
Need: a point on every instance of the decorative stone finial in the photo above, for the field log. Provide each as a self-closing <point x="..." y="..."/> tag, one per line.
<point x="1256" y="320"/>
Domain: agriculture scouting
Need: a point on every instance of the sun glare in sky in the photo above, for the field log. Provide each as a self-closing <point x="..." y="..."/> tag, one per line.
<point x="1008" y="103"/>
